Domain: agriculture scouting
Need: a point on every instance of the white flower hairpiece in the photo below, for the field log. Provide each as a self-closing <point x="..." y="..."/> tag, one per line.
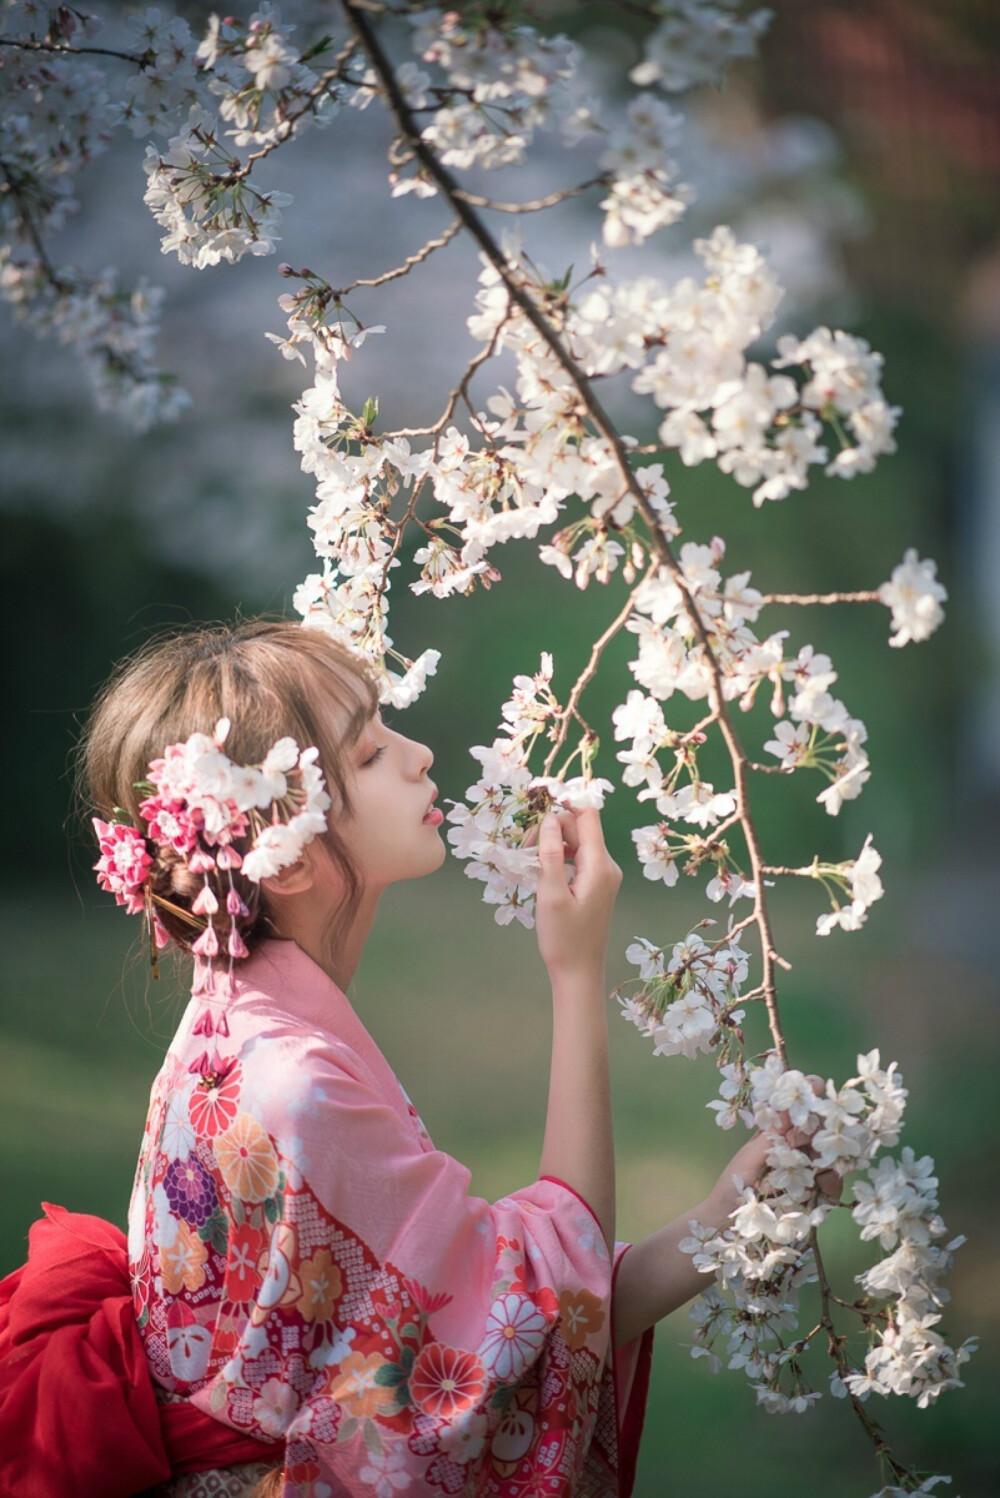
<point x="200" y="804"/>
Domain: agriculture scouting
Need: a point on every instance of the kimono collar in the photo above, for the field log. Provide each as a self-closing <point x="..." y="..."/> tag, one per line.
<point x="288" y="978"/>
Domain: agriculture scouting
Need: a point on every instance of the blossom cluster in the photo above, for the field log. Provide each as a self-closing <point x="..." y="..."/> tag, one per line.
<point x="56" y="116"/>
<point x="60" y="110"/>
<point x="488" y="828"/>
<point x="763" y="1256"/>
<point x="500" y="84"/>
<point x="200" y="805"/>
<point x="689" y="1000"/>
<point x="168" y="81"/>
<point x="915" y="596"/>
<point x="210" y="211"/>
<point x="495" y="86"/>
<point x="357" y="476"/>
<point x="244" y="84"/>
<point x="696" y="41"/>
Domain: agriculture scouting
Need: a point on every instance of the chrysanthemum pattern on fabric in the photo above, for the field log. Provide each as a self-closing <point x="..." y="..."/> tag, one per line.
<point x="309" y="1269"/>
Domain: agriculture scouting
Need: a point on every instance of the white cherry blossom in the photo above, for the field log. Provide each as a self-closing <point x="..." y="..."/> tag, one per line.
<point x="915" y="596"/>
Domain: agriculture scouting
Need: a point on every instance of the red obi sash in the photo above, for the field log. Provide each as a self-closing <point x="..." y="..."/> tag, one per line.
<point x="78" y="1413"/>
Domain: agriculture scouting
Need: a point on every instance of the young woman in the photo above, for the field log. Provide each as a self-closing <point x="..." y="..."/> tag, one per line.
<point x="315" y="1304"/>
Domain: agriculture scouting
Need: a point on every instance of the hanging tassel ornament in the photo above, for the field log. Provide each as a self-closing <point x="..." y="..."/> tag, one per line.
<point x="207" y="944"/>
<point x="205" y="903"/>
<point x="235" y="904"/>
<point x="237" y="946"/>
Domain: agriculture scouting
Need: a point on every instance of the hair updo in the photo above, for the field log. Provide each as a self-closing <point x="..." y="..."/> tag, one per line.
<point x="272" y="679"/>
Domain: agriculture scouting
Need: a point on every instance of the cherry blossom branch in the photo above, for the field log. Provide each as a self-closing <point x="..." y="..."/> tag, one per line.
<point x="545" y="310"/>
<point x="835" y="1342"/>
<point x="591" y="407"/>
<point x="586" y="675"/>
<point x="480" y="358"/>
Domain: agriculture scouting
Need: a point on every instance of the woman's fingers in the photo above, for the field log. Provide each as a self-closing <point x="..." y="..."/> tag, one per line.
<point x="550" y="850"/>
<point x="577" y="884"/>
<point x="566" y="821"/>
<point x="829" y="1181"/>
<point x="574" y="836"/>
<point x="570" y="831"/>
<point x="594" y="863"/>
<point x="589" y="835"/>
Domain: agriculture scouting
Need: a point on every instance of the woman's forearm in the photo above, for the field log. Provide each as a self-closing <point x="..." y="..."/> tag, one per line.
<point x="654" y="1278"/>
<point x="579" y="1144"/>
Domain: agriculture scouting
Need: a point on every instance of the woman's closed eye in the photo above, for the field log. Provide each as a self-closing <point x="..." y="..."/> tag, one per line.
<point x="376" y="756"/>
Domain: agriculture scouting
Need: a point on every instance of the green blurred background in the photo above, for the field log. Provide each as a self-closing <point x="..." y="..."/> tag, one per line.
<point x="102" y="543"/>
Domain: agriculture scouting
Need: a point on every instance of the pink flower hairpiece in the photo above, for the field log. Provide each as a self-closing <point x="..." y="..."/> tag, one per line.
<point x="199" y="804"/>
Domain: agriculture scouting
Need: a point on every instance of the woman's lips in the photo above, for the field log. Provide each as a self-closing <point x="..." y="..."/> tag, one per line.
<point x="434" y="817"/>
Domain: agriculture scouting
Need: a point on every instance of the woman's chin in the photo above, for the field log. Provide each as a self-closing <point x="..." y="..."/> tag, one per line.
<point x="438" y="855"/>
<point x="431" y="856"/>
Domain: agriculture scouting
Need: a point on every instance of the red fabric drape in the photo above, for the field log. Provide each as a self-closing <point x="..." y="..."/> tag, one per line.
<point x="78" y="1413"/>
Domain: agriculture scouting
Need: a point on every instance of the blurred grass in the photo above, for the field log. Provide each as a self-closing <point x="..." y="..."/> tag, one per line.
<point x="460" y="1007"/>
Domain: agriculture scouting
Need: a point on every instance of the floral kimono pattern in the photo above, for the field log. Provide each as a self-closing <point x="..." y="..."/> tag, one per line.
<point x="309" y="1270"/>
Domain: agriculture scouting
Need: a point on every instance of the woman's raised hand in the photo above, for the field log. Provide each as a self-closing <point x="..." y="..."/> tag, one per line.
<point x="749" y="1164"/>
<point x="573" y="920"/>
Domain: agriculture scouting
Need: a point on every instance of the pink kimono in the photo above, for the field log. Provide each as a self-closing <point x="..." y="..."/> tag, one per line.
<point x="308" y="1268"/>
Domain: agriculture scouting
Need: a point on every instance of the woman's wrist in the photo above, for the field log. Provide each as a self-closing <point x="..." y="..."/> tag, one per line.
<point x="657" y="1277"/>
<point x="712" y="1212"/>
<point x="577" y="984"/>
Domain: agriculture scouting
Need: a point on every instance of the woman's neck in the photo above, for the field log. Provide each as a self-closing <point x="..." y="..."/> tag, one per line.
<point x="308" y="927"/>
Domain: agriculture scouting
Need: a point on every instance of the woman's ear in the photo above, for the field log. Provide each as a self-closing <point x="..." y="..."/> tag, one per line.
<point x="295" y="878"/>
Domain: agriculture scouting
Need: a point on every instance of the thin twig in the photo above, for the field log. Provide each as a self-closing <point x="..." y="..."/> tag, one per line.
<point x="30" y="45"/>
<point x="587" y="673"/>
<point x="474" y="363"/>
<point x="476" y="200"/>
<point x="310" y="100"/>
<point x="31" y="228"/>
<point x="835" y="1348"/>
<point x="454" y="396"/>
<point x="865" y="595"/>
<point x="411" y="260"/>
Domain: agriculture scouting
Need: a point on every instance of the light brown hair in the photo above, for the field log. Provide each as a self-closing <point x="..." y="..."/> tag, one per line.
<point x="271" y="678"/>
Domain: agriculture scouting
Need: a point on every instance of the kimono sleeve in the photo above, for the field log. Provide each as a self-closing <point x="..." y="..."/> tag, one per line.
<point x="402" y="1334"/>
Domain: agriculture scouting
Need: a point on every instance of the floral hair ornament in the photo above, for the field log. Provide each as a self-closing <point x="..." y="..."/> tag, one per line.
<point x="200" y="804"/>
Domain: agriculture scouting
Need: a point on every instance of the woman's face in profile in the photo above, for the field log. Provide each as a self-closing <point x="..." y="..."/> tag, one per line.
<point x="389" y="835"/>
